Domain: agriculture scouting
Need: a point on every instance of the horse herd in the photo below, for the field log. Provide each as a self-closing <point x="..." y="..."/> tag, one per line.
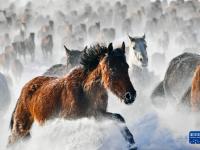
<point x="83" y="91"/>
<point x="78" y="86"/>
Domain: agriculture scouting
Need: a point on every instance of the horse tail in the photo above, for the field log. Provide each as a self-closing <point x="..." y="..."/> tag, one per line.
<point x="158" y="93"/>
<point x="12" y="117"/>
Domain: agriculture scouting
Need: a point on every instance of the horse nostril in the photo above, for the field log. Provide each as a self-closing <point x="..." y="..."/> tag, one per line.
<point x="128" y="95"/>
<point x="141" y="59"/>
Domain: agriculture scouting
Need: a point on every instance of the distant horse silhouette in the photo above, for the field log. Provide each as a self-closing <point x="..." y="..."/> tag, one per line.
<point x="83" y="93"/>
<point x="20" y="48"/>
<point x="30" y="45"/>
<point x="176" y="85"/>
<point x="47" y="45"/>
<point x="5" y="97"/>
<point x="17" y="69"/>
<point x="6" y="58"/>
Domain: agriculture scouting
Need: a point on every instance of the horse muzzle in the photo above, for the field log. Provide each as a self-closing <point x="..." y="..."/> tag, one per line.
<point x="129" y="97"/>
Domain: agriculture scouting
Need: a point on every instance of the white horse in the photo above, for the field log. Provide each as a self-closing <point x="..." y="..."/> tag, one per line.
<point x="137" y="55"/>
<point x="138" y="61"/>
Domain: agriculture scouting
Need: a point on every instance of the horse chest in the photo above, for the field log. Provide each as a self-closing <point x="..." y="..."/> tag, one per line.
<point x="97" y="102"/>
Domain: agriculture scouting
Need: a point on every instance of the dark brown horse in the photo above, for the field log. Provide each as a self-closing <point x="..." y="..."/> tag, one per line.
<point x="82" y="93"/>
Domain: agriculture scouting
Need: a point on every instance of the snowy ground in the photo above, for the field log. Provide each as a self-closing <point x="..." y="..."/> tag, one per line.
<point x="152" y="128"/>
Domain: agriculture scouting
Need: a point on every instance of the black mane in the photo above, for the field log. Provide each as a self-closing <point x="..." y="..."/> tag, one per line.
<point x="90" y="57"/>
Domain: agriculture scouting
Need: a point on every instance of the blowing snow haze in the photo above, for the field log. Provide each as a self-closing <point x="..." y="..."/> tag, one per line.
<point x="32" y="39"/>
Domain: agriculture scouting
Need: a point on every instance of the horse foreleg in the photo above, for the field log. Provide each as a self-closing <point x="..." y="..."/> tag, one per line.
<point x="124" y="130"/>
<point x="21" y="128"/>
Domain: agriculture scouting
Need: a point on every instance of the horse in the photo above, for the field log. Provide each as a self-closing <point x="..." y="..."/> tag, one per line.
<point x="30" y="45"/>
<point x="138" y="61"/>
<point x="46" y="30"/>
<point x="4" y="62"/>
<point x="81" y="93"/>
<point x="17" y="69"/>
<point x="6" y="58"/>
<point x="20" y="49"/>
<point x="176" y="85"/>
<point x="47" y="45"/>
<point x="71" y="60"/>
<point x="5" y="97"/>
<point x="94" y="30"/>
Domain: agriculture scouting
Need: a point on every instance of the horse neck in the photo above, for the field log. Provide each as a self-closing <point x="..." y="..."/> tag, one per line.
<point x="131" y="59"/>
<point x="95" y="91"/>
<point x="92" y="83"/>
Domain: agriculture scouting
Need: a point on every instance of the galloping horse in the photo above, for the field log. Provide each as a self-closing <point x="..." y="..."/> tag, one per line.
<point x="82" y="93"/>
<point x="47" y="45"/>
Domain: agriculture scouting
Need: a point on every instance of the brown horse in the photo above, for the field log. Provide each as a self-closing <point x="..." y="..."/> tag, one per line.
<point x="195" y="90"/>
<point x="82" y="93"/>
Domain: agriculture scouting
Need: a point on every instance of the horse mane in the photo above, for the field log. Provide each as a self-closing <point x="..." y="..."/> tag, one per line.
<point x="91" y="57"/>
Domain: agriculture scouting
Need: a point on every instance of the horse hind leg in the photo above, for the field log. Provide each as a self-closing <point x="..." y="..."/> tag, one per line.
<point x="22" y="123"/>
<point x="158" y="96"/>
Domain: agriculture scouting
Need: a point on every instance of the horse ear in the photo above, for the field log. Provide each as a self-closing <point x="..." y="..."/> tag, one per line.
<point x="66" y="50"/>
<point x="110" y="48"/>
<point x="85" y="48"/>
<point x="143" y="36"/>
<point x="131" y="38"/>
<point x="123" y="47"/>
